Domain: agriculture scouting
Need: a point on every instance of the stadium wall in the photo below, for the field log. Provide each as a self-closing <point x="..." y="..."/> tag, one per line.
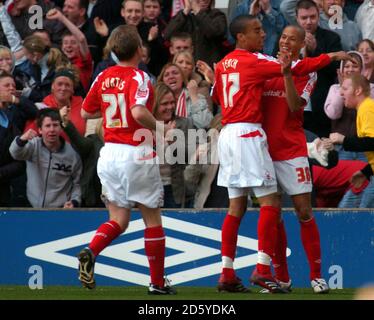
<point x="47" y="241"/>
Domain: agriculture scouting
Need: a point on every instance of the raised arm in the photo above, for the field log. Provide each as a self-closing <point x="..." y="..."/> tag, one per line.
<point x="11" y="34"/>
<point x="22" y="148"/>
<point x="294" y="101"/>
<point x="55" y="14"/>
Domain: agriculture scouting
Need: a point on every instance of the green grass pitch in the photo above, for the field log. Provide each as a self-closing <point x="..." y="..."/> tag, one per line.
<point x="140" y="293"/>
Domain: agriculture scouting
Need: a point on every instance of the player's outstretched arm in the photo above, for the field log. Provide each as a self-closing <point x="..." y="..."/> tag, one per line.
<point x="340" y="55"/>
<point x="313" y="64"/>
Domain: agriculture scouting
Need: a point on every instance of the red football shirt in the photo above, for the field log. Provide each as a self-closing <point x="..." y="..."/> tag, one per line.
<point x="240" y="78"/>
<point x="284" y="128"/>
<point x="85" y="67"/>
<point x="114" y="92"/>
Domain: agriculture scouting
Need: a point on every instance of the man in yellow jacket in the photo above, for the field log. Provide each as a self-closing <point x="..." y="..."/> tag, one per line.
<point x="355" y="91"/>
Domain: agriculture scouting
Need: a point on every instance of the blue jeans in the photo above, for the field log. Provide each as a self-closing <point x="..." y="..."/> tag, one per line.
<point x="364" y="199"/>
<point x="350" y="155"/>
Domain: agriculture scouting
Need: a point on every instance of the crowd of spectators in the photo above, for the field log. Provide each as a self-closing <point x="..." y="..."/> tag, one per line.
<point x="49" y="61"/>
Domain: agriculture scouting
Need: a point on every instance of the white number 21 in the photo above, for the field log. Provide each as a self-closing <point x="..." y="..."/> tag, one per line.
<point x="115" y="102"/>
<point x="231" y="86"/>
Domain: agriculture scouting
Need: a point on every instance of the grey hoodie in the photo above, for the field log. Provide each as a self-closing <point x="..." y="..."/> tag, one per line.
<point x="52" y="177"/>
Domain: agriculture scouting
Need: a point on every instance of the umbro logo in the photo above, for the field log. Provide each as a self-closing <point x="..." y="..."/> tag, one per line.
<point x="190" y="244"/>
<point x="61" y="167"/>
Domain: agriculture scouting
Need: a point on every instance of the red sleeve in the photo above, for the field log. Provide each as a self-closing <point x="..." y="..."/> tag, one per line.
<point x="309" y="65"/>
<point x="267" y="66"/>
<point x="92" y="102"/>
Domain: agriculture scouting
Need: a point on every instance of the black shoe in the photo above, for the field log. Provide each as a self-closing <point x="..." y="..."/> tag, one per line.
<point x="86" y="268"/>
<point x="166" y="289"/>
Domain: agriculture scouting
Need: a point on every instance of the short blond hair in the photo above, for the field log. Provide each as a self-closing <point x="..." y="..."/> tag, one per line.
<point x="359" y="81"/>
<point x="185" y="53"/>
<point x="5" y="51"/>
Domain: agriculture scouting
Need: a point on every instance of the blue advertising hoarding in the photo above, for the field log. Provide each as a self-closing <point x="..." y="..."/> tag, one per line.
<point x="52" y="239"/>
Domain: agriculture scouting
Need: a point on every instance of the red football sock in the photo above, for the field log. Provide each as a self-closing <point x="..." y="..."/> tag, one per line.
<point x="154" y="244"/>
<point x="267" y="237"/>
<point x="230" y="228"/>
<point x="312" y="246"/>
<point x="105" y="234"/>
<point x="280" y="257"/>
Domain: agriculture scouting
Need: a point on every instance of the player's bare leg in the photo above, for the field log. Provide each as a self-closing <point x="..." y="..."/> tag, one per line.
<point x="228" y="281"/>
<point x="154" y="244"/>
<point x="118" y="221"/>
<point x="311" y="240"/>
<point x="267" y="238"/>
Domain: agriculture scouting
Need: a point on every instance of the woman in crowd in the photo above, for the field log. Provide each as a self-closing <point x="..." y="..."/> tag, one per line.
<point x="344" y="119"/>
<point x="190" y="104"/>
<point x="41" y="66"/>
<point x="176" y="191"/>
<point x="344" y="122"/>
<point x="366" y="48"/>
<point x="6" y="59"/>
<point x="7" y="63"/>
<point x="186" y="62"/>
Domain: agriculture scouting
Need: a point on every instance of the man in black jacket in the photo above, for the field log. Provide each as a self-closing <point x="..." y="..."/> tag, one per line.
<point x="318" y="41"/>
<point x="13" y="115"/>
<point x="9" y="168"/>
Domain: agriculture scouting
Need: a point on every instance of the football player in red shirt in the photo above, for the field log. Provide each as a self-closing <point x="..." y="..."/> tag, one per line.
<point x="245" y="162"/>
<point x="283" y="102"/>
<point x="123" y="95"/>
<point x="244" y="159"/>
